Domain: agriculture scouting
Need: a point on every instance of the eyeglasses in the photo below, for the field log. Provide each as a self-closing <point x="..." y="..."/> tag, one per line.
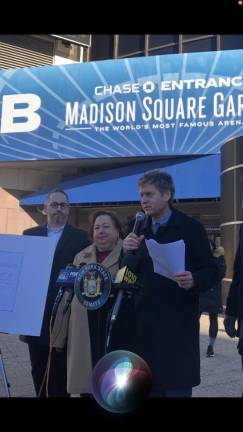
<point x="62" y="205"/>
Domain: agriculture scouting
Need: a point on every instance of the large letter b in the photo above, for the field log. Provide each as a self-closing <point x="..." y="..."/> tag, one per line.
<point x="10" y="112"/>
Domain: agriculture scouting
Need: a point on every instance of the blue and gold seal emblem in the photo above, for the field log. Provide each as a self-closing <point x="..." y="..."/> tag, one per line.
<point x="92" y="285"/>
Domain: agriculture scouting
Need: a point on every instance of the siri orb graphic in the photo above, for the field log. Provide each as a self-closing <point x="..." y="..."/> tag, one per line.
<point x="121" y="381"/>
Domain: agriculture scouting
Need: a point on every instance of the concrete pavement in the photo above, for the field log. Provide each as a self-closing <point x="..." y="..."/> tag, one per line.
<point x="221" y="376"/>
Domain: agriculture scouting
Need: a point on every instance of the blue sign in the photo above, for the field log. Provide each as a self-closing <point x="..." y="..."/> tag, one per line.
<point x="182" y="104"/>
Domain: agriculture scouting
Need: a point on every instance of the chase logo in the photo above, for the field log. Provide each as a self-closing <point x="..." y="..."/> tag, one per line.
<point x="92" y="286"/>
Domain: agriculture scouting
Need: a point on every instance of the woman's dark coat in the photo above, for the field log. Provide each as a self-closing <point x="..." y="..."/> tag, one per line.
<point x="211" y="300"/>
<point x="234" y="304"/>
<point x="167" y="315"/>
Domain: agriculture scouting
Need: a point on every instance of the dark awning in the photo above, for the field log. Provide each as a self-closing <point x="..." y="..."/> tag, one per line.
<point x="194" y="178"/>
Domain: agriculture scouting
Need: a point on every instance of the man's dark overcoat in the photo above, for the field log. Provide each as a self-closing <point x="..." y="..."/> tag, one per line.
<point x="167" y="315"/>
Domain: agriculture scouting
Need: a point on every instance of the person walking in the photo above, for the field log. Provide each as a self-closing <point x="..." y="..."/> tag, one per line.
<point x="210" y="301"/>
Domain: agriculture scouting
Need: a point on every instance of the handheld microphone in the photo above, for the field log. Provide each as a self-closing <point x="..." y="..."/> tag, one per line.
<point x="139" y="218"/>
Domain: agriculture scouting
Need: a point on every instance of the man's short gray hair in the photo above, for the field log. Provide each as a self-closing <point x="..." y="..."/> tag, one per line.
<point x="56" y="191"/>
<point x="161" y="180"/>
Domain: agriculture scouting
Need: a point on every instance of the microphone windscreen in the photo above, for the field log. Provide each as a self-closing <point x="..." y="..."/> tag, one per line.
<point x="140" y="216"/>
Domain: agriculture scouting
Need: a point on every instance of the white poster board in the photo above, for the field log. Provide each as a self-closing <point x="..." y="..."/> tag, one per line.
<point x="25" y="268"/>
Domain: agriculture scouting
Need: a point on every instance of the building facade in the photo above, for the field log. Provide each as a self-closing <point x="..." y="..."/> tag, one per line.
<point x="23" y="177"/>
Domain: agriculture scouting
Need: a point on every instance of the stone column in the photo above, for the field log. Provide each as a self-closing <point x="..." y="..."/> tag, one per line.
<point x="231" y="202"/>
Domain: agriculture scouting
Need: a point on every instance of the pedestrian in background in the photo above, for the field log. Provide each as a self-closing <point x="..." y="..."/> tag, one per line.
<point x="233" y="321"/>
<point x="210" y="301"/>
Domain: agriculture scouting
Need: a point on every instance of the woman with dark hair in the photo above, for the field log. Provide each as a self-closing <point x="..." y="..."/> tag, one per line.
<point x="85" y="331"/>
<point x="211" y="301"/>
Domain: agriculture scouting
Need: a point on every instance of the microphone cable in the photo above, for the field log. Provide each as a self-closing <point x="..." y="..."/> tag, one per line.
<point x="46" y="376"/>
<point x="48" y="366"/>
<point x="108" y="328"/>
<point x="56" y="305"/>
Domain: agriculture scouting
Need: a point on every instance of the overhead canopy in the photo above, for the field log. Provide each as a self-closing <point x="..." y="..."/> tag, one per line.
<point x="194" y="178"/>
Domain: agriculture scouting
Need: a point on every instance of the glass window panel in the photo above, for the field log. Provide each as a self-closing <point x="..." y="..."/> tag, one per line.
<point x="162" y="39"/>
<point x="140" y="54"/>
<point x="192" y="36"/>
<point x="85" y="54"/>
<point x="200" y="45"/>
<point x="102" y="47"/>
<point x="174" y="49"/>
<point x="131" y="43"/>
<point x="233" y="41"/>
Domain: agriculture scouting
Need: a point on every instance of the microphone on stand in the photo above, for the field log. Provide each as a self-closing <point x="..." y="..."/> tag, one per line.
<point x="70" y="285"/>
<point x="68" y="301"/>
<point x="125" y="279"/>
<point x="127" y="263"/>
<point x="125" y="275"/>
<point x="65" y="280"/>
<point x="57" y="300"/>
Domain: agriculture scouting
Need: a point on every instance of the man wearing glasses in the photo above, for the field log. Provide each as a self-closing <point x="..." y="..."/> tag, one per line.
<point x="69" y="241"/>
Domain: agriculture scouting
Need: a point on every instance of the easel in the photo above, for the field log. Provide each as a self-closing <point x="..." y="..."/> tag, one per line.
<point x="3" y="377"/>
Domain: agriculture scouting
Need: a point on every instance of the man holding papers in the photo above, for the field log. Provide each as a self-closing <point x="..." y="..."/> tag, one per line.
<point x="174" y="263"/>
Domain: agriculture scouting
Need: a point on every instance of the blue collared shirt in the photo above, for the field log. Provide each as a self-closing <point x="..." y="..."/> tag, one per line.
<point x="56" y="234"/>
<point x="164" y="219"/>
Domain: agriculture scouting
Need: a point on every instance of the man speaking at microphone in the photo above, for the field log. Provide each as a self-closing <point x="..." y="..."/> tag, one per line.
<point x="167" y="335"/>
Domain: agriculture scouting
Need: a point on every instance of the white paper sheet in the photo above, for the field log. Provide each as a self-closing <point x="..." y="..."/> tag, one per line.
<point x="25" y="267"/>
<point x="168" y="258"/>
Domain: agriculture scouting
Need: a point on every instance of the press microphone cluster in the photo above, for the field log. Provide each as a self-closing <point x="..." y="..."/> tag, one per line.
<point x="65" y="281"/>
<point x="92" y="284"/>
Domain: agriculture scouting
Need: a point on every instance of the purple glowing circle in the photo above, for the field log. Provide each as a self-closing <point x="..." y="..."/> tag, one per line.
<point x="121" y="381"/>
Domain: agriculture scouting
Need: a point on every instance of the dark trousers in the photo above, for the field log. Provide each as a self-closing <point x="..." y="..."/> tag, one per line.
<point x="57" y="383"/>
<point x="213" y="324"/>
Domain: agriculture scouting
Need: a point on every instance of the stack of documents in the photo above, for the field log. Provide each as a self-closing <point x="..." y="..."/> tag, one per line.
<point x="168" y="258"/>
